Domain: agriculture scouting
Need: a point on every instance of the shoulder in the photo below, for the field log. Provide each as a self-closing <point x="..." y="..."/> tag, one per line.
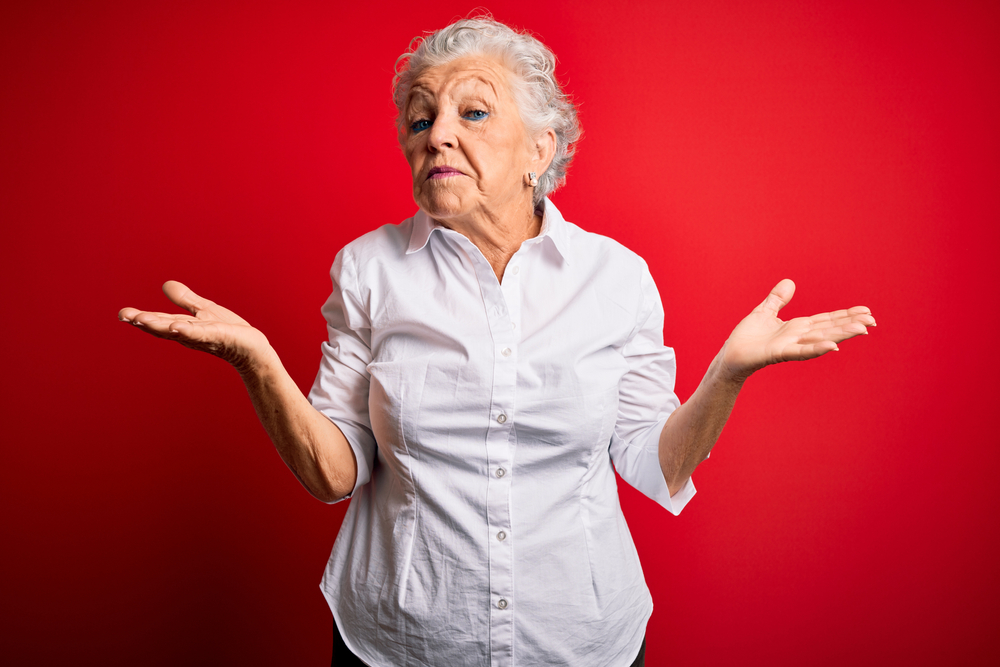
<point x="360" y="264"/>
<point x="620" y="277"/>
<point x="590" y="251"/>
<point x="386" y="242"/>
<point x="599" y="245"/>
<point x="606" y="260"/>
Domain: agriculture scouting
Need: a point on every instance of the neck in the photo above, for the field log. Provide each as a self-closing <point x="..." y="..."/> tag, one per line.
<point x="498" y="234"/>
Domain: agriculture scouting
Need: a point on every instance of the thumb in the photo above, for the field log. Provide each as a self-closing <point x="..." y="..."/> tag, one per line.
<point x="778" y="298"/>
<point x="182" y="296"/>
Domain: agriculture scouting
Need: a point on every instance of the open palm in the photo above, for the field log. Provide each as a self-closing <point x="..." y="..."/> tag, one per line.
<point x="206" y="326"/>
<point x="762" y="338"/>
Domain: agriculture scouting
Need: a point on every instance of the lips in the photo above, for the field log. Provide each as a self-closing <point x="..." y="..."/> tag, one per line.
<point x="443" y="172"/>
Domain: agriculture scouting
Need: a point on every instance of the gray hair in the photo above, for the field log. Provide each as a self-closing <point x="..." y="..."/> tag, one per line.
<point x="540" y="100"/>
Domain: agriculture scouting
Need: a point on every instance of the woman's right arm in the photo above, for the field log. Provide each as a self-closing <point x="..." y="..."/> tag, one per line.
<point x="312" y="446"/>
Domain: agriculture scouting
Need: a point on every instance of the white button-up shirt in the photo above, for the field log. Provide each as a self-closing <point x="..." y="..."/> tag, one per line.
<point x="485" y="416"/>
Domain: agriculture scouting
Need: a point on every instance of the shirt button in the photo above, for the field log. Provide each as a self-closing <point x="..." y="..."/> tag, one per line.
<point x="501" y="536"/>
<point x="505" y="352"/>
<point x="502" y="603"/>
<point x="501" y="418"/>
<point x="515" y="270"/>
<point x="501" y="472"/>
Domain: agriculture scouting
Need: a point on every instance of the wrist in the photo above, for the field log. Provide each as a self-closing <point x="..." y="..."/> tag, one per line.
<point x="257" y="361"/>
<point x="729" y="373"/>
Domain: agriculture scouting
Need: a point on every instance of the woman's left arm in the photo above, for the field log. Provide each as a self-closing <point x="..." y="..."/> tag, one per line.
<point x="760" y="340"/>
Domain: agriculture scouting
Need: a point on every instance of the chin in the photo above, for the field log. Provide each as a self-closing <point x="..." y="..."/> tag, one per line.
<point x="441" y="206"/>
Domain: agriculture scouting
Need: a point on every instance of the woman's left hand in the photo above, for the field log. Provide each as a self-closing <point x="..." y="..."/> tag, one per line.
<point x="762" y="339"/>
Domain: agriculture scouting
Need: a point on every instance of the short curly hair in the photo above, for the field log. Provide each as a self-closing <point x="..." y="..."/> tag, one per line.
<point x="539" y="97"/>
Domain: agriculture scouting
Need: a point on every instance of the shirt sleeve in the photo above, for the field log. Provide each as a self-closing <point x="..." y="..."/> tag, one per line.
<point x="340" y="390"/>
<point x="645" y="399"/>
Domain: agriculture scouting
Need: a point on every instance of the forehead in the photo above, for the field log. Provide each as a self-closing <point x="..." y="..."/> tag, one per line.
<point x="478" y="74"/>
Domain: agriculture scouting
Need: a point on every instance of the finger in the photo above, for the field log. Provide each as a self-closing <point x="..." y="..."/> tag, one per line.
<point x="813" y="350"/>
<point x="207" y="336"/>
<point x="180" y="328"/>
<point x="858" y="313"/>
<point x="126" y="314"/>
<point x="836" y="334"/>
<point x="165" y="316"/>
<point x="194" y="332"/>
<point x="858" y="323"/>
<point x="182" y="295"/>
<point x="151" y="323"/>
<point x="778" y="298"/>
<point x="860" y="310"/>
<point x="802" y="352"/>
<point x="156" y="323"/>
<point x="866" y="318"/>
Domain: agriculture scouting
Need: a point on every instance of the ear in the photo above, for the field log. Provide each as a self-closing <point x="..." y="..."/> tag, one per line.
<point x="544" y="151"/>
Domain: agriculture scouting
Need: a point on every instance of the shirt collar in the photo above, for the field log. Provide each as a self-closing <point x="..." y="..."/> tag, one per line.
<point x="554" y="228"/>
<point x="420" y="233"/>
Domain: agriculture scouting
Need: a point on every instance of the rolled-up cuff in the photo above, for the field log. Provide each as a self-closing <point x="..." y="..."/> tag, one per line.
<point x="356" y="436"/>
<point x="675" y="503"/>
<point x="638" y="463"/>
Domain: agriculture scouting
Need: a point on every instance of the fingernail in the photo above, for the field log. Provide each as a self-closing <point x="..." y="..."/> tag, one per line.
<point x="137" y="323"/>
<point x="836" y="349"/>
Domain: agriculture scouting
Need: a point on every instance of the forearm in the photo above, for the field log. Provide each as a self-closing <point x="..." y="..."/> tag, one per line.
<point x="312" y="446"/>
<point x="693" y="428"/>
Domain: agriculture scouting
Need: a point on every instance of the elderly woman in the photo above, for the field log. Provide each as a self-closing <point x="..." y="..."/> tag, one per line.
<point x="489" y="366"/>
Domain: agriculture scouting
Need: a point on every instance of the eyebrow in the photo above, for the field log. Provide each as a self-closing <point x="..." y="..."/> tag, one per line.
<point x="474" y="79"/>
<point x="421" y="90"/>
<point x="417" y="95"/>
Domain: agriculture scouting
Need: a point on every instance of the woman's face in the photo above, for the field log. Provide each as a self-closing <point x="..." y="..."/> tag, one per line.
<point x="468" y="150"/>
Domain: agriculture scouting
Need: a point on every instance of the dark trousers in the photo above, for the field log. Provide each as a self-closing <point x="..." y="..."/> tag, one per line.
<point x="342" y="656"/>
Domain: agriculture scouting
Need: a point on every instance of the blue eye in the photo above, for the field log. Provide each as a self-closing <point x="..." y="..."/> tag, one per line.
<point x="476" y="114"/>
<point x="420" y="125"/>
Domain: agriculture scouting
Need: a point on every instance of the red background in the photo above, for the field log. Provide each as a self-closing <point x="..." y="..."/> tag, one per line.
<point x="848" y="515"/>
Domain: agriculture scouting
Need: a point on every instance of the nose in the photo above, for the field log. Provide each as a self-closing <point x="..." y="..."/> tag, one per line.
<point x="441" y="134"/>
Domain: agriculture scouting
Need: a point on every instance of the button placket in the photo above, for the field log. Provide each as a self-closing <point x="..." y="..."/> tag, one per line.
<point x="511" y="286"/>
<point x="502" y="307"/>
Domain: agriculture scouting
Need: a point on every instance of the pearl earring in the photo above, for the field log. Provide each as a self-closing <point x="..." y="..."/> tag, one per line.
<point x="532" y="179"/>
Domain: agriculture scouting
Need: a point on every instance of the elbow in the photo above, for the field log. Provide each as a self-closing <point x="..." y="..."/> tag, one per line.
<point x="328" y="498"/>
<point x="328" y="477"/>
<point x="676" y="474"/>
<point x="675" y="483"/>
<point x="328" y="495"/>
<point x="331" y="491"/>
<point x="677" y="470"/>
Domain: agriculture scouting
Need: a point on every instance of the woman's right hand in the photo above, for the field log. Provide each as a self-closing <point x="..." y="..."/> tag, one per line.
<point x="311" y="445"/>
<point x="209" y="327"/>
